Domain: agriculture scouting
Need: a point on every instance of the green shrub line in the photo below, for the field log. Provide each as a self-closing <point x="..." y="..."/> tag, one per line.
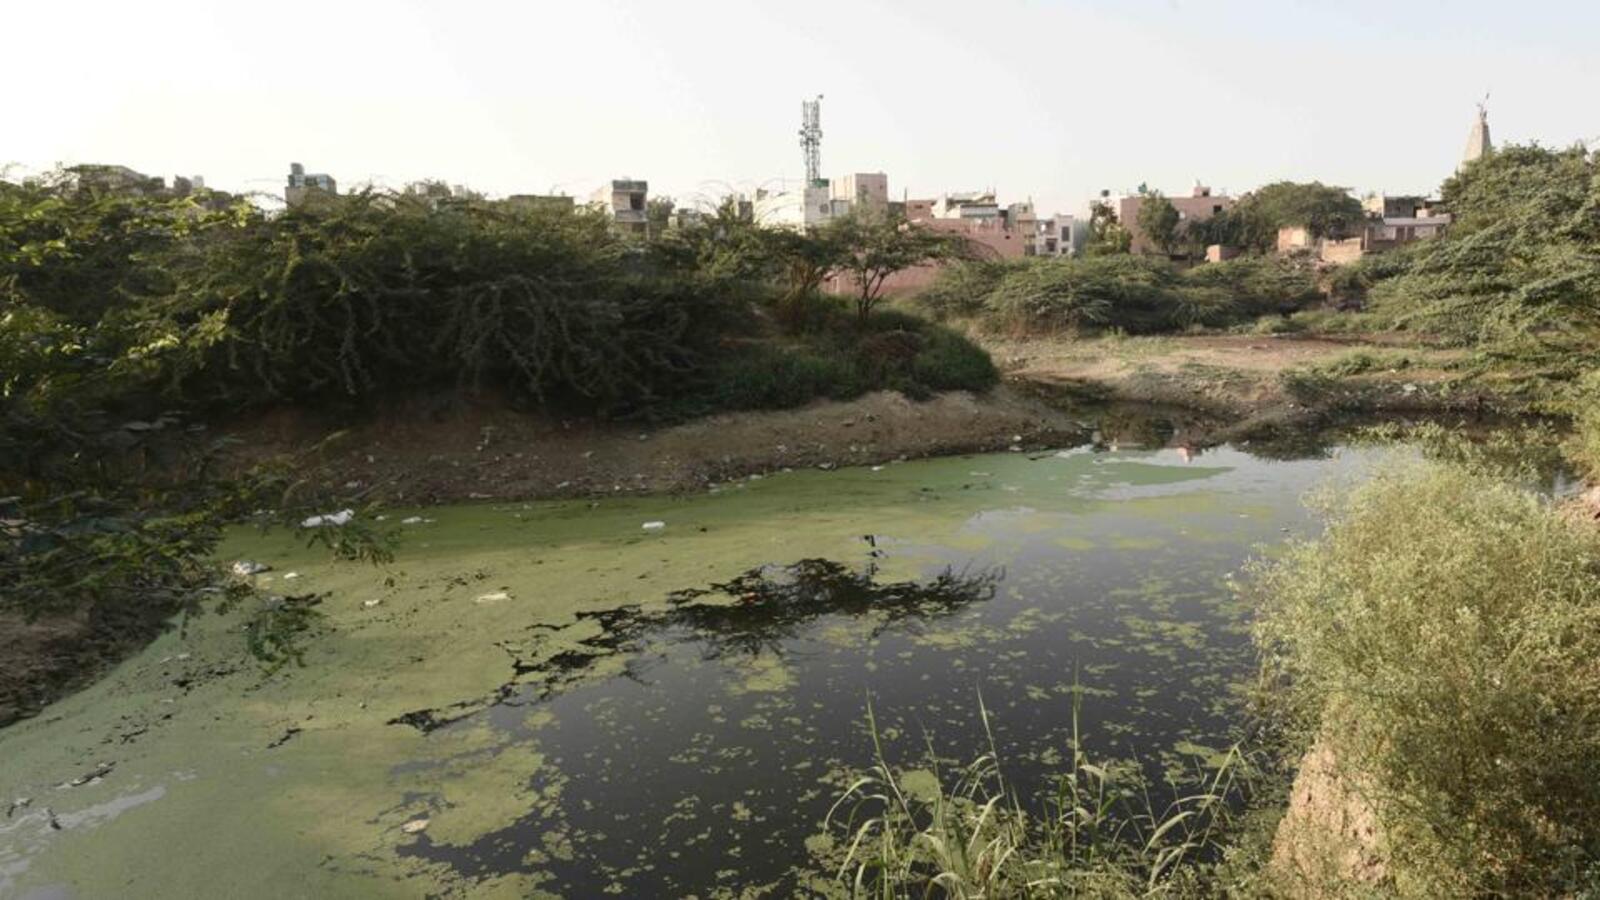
<point x="128" y="321"/>
<point x="1129" y="294"/>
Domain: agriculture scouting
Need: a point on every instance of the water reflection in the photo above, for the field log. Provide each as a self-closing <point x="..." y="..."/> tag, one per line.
<point x="694" y="745"/>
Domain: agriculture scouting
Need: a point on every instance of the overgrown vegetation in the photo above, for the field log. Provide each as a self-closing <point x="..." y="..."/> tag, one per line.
<point x="1095" y="831"/>
<point x="1441" y="640"/>
<point x="1135" y="295"/>
<point x="127" y="321"/>
<point x="1519" y="268"/>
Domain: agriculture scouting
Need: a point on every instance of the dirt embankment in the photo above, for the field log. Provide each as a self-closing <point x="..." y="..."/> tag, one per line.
<point x="1256" y="376"/>
<point x="424" y="452"/>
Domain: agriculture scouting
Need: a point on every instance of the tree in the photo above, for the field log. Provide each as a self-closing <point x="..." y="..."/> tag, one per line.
<point x="658" y="211"/>
<point x="1325" y="210"/>
<point x="1106" y="235"/>
<point x="873" y="247"/>
<point x="1158" y="221"/>
<point x="806" y="258"/>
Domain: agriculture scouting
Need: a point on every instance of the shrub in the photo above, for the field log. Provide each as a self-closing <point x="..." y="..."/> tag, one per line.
<point x="1256" y="285"/>
<point x="1584" y="445"/>
<point x="961" y="290"/>
<point x="950" y="362"/>
<point x="773" y="377"/>
<point x="1048" y="295"/>
<point x="1442" y="638"/>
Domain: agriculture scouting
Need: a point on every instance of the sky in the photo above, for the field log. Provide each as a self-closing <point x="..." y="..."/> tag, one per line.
<point x="1049" y="101"/>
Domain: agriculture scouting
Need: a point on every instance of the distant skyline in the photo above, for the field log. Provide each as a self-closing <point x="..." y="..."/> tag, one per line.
<point x="1049" y="100"/>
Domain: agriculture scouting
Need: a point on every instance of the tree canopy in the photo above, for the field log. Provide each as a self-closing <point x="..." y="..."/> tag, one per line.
<point x="1159" y="221"/>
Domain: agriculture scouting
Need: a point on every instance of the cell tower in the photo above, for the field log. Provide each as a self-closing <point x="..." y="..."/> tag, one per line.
<point x="811" y="138"/>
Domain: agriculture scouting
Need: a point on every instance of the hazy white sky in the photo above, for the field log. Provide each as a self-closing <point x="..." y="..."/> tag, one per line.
<point x="1052" y="100"/>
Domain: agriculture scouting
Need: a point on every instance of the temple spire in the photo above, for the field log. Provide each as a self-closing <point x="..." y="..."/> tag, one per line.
<point x="1478" y="143"/>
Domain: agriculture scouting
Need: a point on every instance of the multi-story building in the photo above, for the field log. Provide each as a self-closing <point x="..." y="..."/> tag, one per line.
<point x="1020" y="217"/>
<point x="967" y="205"/>
<point x="863" y="191"/>
<point x="808" y="207"/>
<point x="302" y="186"/>
<point x="1199" y="206"/>
<point x="1061" y="235"/>
<point x="625" y="201"/>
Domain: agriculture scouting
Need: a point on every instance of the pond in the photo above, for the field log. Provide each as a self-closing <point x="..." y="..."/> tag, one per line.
<point x="664" y="696"/>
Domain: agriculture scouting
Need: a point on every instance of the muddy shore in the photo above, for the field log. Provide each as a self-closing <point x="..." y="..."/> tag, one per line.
<point x="420" y="453"/>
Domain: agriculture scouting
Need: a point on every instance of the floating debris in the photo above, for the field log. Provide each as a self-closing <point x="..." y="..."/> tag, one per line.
<point x="495" y="597"/>
<point x="371" y="603"/>
<point x="289" y="576"/>
<point x="654" y="526"/>
<point x="342" y="517"/>
<point x="244" y="568"/>
<point x="415" y="826"/>
<point x="415" y="520"/>
<point x="90" y="777"/>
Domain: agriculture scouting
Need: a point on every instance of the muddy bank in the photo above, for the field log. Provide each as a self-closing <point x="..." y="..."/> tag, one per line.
<point x="421" y="452"/>
<point x="1266" y="377"/>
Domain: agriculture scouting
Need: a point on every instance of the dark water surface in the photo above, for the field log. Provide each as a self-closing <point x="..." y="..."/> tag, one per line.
<point x="697" y="745"/>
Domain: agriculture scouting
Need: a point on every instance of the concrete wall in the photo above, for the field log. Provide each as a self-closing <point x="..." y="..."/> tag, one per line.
<point x="1341" y="252"/>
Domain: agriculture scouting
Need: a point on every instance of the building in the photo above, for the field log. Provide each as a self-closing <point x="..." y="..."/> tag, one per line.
<point x="625" y="202"/>
<point x="867" y="191"/>
<point x="970" y="205"/>
<point x="110" y="179"/>
<point x="1020" y="218"/>
<point x="123" y="181"/>
<point x="302" y="187"/>
<point x="1061" y="235"/>
<point x="560" y="203"/>
<point x="1478" y="143"/>
<point x="808" y="207"/>
<point x="1378" y="234"/>
<point x="1199" y="206"/>
<point x="1386" y="206"/>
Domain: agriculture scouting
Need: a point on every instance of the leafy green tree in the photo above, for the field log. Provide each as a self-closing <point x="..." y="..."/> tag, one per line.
<point x="1254" y="221"/>
<point x="874" y="247"/>
<point x="1107" y="236"/>
<point x="1159" y="221"/>
<point x="658" y="212"/>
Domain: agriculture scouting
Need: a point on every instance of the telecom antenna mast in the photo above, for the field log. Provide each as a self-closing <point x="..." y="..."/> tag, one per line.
<point x="811" y="138"/>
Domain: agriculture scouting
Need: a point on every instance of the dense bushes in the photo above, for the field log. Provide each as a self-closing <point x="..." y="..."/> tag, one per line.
<point x="1521" y="263"/>
<point x="1133" y="294"/>
<point x="123" y="316"/>
<point x="1441" y="640"/>
<point x="836" y="362"/>
<point x="163" y="303"/>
